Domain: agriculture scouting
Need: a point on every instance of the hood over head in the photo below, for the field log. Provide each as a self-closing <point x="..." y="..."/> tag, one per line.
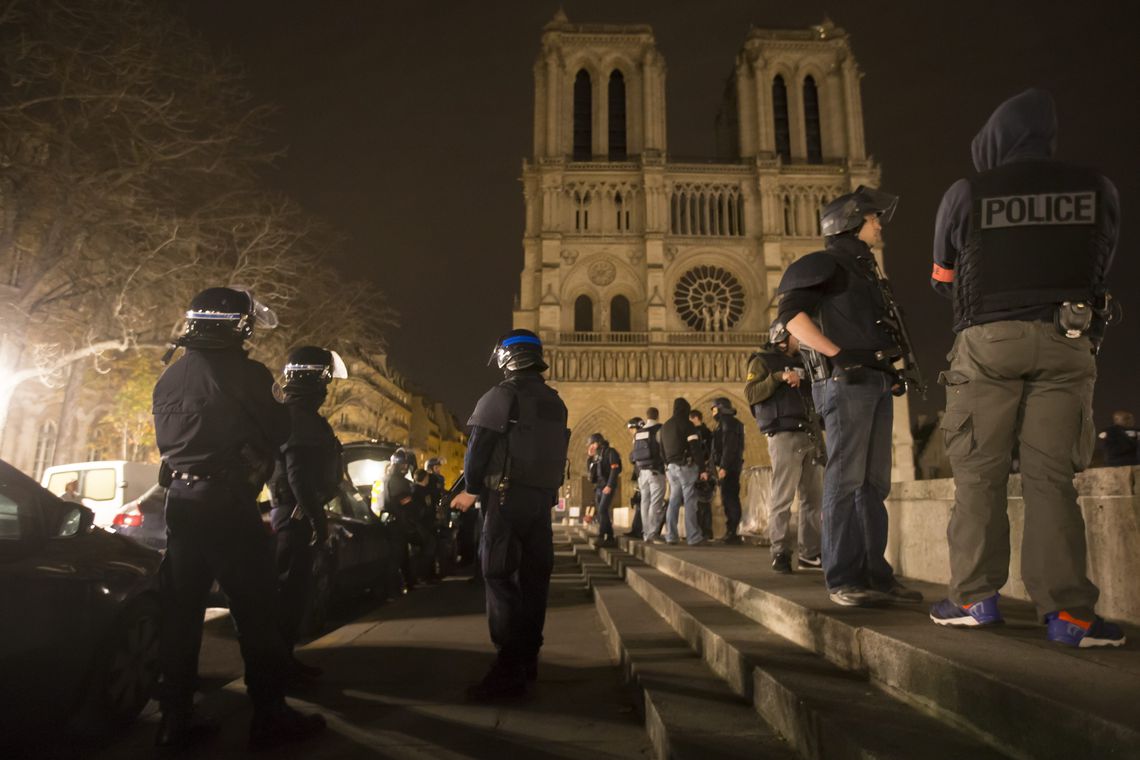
<point x="1025" y="126"/>
<point x="681" y="408"/>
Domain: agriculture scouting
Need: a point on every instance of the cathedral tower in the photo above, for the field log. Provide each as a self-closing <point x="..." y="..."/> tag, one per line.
<point x="649" y="277"/>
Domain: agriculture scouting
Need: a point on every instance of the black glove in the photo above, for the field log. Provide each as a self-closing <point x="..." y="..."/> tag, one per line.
<point x="320" y="532"/>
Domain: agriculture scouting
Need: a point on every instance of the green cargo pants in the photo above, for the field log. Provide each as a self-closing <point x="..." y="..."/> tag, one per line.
<point x="1019" y="383"/>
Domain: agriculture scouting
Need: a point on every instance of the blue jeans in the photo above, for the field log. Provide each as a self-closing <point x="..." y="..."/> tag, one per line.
<point x="604" y="501"/>
<point x="859" y="421"/>
<point x="682" y="487"/>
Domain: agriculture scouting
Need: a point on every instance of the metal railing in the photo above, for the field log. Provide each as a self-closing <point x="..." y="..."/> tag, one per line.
<point x="662" y="337"/>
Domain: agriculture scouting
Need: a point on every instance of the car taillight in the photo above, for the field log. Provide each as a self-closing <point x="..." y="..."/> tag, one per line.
<point x="128" y="518"/>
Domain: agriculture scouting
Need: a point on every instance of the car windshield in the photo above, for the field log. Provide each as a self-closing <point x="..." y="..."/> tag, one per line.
<point x="365" y="472"/>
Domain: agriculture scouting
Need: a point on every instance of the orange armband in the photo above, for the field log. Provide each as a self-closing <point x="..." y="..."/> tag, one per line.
<point x="941" y="274"/>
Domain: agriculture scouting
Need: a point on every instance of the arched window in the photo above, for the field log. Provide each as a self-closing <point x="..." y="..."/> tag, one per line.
<point x="811" y="122"/>
<point x="583" y="117"/>
<point x="622" y="207"/>
<point x="45" y="447"/>
<point x="619" y="314"/>
<point x="617" y="116"/>
<point x="583" y="314"/>
<point x="780" y="117"/>
<point x="581" y="211"/>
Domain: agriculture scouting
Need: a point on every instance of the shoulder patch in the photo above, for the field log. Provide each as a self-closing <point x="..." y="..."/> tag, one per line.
<point x="808" y="271"/>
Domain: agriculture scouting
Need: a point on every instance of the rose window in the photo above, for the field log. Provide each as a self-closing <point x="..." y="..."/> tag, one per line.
<point x="709" y="299"/>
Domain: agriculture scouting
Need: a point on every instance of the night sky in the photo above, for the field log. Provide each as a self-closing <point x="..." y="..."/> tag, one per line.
<point x="406" y="124"/>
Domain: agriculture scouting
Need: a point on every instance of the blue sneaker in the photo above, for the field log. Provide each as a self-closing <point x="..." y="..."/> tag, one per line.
<point x="1068" y="630"/>
<point x="984" y="612"/>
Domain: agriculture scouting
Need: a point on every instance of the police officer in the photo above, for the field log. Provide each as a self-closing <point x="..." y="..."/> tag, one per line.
<point x="728" y="460"/>
<point x="515" y="462"/>
<point x="605" y="472"/>
<point x="649" y="459"/>
<point x="218" y="429"/>
<point x="780" y="398"/>
<point x="436" y="483"/>
<point x="1023" y="249"/>
<point x="305" y="478"/>
<point x="636" y="529"/>
<point x="831" y="302"/>
<point x="425" y="519"/>
<point x="1119" y="441"/>
<point x="686" y="463"/>
<point x="705" y="487"/>
<point x="398" y="502"/>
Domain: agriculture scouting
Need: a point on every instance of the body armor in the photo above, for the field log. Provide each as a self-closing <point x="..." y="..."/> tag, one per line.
<point x="785" y="409"/>
<point x="1035" y="241"/>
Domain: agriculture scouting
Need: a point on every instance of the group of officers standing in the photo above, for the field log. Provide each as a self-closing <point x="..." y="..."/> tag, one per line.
<point x="1022" y="249"/>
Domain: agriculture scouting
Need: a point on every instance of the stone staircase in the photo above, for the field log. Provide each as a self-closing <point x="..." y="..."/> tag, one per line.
<point x="732" y="660"/>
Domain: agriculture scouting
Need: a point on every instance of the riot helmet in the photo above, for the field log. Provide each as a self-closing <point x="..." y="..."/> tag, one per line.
<point x="433" y="463"/>
<point x="518" y="350"/>
<point x="848" y="212"/>
<point x="778" y="333"/>
<point x="222" y="317"/>
<point x="313" y="366"/>
<point x="401" y="460"/>
<point x="634" y="422"/>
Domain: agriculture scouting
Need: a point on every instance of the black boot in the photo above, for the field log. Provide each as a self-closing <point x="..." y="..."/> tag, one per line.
<point x="504" y="681"/>
<point x="280" y="724"/>
<point x="185" y="728"/>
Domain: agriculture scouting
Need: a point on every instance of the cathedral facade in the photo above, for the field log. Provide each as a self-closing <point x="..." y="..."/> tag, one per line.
<point x="649" y="277"/>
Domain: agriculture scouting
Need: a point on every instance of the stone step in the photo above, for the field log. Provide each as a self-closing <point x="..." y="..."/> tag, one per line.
<point x="1007" y="685"/>
<point x="822" y="710"/>
<point x="689" y="712"/>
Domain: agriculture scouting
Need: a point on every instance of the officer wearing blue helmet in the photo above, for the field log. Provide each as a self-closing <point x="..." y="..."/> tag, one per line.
<point x="832" y="303"/>
<point x="515" y="463"/>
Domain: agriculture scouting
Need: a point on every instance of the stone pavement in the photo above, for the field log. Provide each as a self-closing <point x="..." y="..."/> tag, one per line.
<point x="394" y="682"/>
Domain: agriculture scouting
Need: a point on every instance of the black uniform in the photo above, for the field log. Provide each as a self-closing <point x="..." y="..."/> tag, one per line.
<point x="304" y="480"/>
<point x="605" y="472"/>
<point x="516" y="459"/>
<point x="1119" y="445"/>
<point x="398" y="501"/>
<point x="218" y="427"/>
<point x="728" y="455"/>
<point x="706" y="489"/>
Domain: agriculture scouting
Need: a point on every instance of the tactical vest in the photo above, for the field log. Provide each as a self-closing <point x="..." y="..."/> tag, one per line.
<point x="646" y="452"/>
<point x="1034" y="240"/>
<point x="784" y="410"/>
<point x="537" y="441"/>
<point x="850" y="317"/>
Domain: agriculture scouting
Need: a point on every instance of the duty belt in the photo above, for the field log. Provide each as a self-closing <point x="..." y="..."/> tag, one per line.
<point x="190" y="477"/>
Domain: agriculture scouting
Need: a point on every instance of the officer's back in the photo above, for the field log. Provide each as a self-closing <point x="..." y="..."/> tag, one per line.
<point x="210" y="404"/>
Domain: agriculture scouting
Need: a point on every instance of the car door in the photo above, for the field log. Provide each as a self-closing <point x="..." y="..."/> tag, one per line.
<point x="45" y="640"/>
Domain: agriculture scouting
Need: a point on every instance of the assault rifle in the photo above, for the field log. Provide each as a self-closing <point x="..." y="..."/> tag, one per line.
<point x="895" y="325"/>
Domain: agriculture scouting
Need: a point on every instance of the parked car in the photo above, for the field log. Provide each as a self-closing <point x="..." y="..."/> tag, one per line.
<point x="359" y="556"/>
<point x="104" y="486"/>
<point x="79" y="641"/>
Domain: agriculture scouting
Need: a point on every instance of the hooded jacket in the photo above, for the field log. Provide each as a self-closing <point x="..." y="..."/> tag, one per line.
<point x="680" y="441"/>
<point x="1022" y="129"/>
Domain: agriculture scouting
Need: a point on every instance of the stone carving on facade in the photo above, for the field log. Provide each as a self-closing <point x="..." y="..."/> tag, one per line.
<point x="569" y="256"/>
<point x="671" y="253"/>
<point x="635" y="256"/>
<point x="602" y="272"/>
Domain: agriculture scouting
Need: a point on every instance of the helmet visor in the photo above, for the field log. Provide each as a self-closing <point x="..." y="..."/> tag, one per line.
<point x="263" y="316"/>
<point x="879" y="202"/>
<point x="339" y="371"/>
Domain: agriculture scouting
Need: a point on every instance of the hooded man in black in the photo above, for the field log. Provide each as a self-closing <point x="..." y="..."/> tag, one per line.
<point x="1023" y="249"/>
<point x="685" y="464"/>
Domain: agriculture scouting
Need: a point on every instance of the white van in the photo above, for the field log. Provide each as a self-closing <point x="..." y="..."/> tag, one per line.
<point x="104" y="487"/>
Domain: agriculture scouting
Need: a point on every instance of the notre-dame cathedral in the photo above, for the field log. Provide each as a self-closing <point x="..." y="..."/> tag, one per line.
<point x="650" y="278"/>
